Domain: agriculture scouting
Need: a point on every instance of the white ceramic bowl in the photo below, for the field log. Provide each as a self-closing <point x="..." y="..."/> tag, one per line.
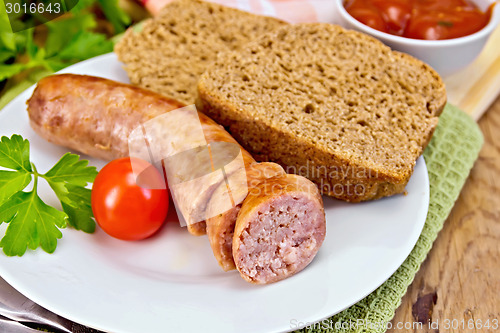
<point x="445" y="56"/>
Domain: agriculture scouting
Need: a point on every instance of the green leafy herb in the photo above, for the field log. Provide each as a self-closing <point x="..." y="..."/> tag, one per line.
<point x="32" y="223"/>
<point x="118" y="18"/>
<point x="71" y="38"/>
<point x="445" y="24"/>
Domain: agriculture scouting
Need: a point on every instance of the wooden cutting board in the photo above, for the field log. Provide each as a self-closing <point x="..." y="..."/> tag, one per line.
<point x="476" y="87"/>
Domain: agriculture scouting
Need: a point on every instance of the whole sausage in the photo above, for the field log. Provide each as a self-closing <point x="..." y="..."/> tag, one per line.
<point x="279" y="229"/>
<point x="92" y="115"/>
<point x="95" y="116"/>
<point x="220" y="228"/>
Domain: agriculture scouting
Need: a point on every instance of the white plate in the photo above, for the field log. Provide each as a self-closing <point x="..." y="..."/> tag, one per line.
<point x="171" y="282"/>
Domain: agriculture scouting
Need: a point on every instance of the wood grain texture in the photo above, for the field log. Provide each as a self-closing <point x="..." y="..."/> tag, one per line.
<point x="460" y="279"/>
<point x="475" y="88"/>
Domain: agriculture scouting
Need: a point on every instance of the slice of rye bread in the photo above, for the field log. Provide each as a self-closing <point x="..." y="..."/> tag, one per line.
<point x="173" y="49"/>
<point x="334" y="105"/>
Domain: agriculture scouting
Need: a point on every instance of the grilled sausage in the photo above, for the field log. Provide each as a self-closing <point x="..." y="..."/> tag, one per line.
<point x="95" y="116"/>
<point x="279" y="229"/>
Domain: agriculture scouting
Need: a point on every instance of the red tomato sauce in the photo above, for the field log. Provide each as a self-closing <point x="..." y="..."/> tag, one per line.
<point x="420" y="19"/>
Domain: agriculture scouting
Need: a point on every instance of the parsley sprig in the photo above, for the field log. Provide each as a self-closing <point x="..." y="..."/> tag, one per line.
<point x="73" y="37"/>
<point x="32" y="223"/>
<point x="70" y="39"/>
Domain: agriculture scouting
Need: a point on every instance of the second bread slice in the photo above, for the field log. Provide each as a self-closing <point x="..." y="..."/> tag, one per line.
<point x="334" y="105"/>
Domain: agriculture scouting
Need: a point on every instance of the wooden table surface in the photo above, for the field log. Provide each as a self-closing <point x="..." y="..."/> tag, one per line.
<point x="457" y="288"/>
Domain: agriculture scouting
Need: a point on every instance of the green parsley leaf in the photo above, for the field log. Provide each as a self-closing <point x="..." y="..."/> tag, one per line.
<point x="8" y="40"/>
<point x="21" y="38"/>
<point x="6" y="54"/>
<point x="55" y="64"/>
<point x="86" y="45"/>
<point x="22" y="231"/>
<point x="82" y="5"/>
<point x="31" y="47"/>
<point x="15" y="153"/>
<point x="61" y="31"/>
<point x="75" y="201"/>
<point x="7" y="71"/>
<point x="70" y="38"/>
<point x="70" y="169"/>
<point x="67" y="178"/>
<point x="47" y="219"/>
<point x="79" y="209"/>
<point x="32" y="223"/>
<point x="118" y="18"/>
<point x="4" y="22"/>
<point x="12" y="182"/>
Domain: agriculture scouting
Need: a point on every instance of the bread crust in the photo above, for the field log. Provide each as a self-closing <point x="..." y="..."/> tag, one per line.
<point x="375" y="185"/>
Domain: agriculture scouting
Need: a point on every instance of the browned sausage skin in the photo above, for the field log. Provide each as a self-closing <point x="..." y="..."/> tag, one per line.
<point x="95" y="116"/>
<point x="279" y="229"/>
<point x="92" y="115"/>
<point x="220" y="228"/>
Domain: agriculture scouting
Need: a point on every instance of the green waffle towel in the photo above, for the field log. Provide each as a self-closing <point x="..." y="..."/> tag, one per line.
<point x="449" y="157"/>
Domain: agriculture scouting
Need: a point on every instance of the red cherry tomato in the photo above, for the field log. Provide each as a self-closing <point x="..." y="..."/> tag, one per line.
<point x="129" y="207"/>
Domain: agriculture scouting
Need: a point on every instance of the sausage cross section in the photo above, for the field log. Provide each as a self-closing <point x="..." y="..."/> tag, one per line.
<point x="279" y="229"/>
